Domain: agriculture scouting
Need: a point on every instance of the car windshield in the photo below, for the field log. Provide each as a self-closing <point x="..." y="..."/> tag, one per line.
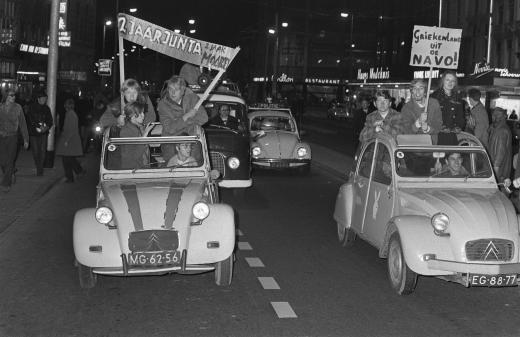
<point x="236" y="110"/>
<point x="153" y="155"/>
<point x="442" y="163"/>
<point x="272" y="123"/>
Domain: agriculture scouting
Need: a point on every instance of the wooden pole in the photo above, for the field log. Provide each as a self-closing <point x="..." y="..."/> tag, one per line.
<point x="121" y="69"/>
<point x="431" y="67"/>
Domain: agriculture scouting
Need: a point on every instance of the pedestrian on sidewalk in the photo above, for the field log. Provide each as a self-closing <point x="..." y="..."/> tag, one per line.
<point x="12" y="121"/>
<point x="69" y="143"/>
<point x="39" y="121"/>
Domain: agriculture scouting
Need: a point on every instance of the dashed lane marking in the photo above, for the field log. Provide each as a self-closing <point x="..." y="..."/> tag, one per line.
<point x="239" y="232"/>
<point x="254" y="262"/>
<point x="283" y="310"/>
<point x="268" y="283"/>
<point x="244" y="246"/>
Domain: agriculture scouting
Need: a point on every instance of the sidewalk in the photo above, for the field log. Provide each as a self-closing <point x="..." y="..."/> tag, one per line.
<point x="27" y="189"/>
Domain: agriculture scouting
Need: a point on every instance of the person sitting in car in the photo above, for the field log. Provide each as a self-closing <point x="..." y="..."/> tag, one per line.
<point x="133" y="156"/>
<point x="183" y="156"/>
<point x="224" y="118"/>
<point x="453" y="166"/>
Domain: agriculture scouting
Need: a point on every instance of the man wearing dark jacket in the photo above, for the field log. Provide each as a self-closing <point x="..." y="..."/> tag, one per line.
<point x="39" y="122"/>
<point x="500" y="145"/>
<point x="224" y="118"/>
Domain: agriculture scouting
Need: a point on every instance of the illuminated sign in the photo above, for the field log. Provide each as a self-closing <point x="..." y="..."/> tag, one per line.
<point x="64" y="39"/>
<point x="422" y="74"/>
<point x="322" y="81"/>
<point x="34" y="49"/>
<point x="105" y="67"/>
<point x="72" y="75"/>
<point x="373" y="74"/>
<point x="62" y="18"/>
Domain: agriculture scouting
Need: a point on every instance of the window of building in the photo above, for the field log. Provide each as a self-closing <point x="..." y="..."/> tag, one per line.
<point x="499" y="54"/>
<point x="511" y="10"/>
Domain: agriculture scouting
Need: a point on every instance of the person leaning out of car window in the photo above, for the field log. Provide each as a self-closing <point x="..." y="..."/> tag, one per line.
<point x="177" y="112"/>
<point x="384" y="119"/>
<point x="133" y="156"/>
<point x="416" y="118"/>
<point x="132" y="92"/>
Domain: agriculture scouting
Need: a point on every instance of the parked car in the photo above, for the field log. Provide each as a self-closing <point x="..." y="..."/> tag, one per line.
<point x="229" y="148"/>
<point x="153" y="217"/>
<point x="431" y="210"/>
<point x="276" y="142"/>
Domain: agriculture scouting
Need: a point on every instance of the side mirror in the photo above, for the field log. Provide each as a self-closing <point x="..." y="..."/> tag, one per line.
<point x="214" y="174"/>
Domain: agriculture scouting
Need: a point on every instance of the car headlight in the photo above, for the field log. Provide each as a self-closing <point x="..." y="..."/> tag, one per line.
<point x="200" y="210"/>
<point x="302" y="152"/>
<point x="233" y="163"/>
<point x="440" y="222"/>
<point x="104" y="215"/>
<point x="256" y="151"/>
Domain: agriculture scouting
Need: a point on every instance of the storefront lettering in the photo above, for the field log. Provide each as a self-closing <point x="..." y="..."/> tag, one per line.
<point x="285" y="79"/>
<point x="373" y="74"/>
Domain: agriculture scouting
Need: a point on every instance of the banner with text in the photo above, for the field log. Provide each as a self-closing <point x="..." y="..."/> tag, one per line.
<point x="165" y="41"/>
<point x="435" y="47"/>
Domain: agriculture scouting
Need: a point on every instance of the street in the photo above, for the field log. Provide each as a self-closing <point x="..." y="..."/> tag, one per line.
<point x="292" y="278"/>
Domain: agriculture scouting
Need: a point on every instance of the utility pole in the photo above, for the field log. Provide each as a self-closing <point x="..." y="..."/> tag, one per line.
<point x="52" y="71"/>
<point x="115" y="67"/>
<point x="275" y="50"/>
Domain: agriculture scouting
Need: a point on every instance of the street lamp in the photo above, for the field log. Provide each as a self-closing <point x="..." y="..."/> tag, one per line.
<point x="107" y="23"/>
<point x="133" y="10"/>
<point x="191" y="21"/>
<point x="351" y="42"/>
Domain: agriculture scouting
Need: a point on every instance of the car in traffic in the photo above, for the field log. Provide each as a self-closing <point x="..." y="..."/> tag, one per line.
<point x="276" y="142"/>
<point x="155" y="215"/>
<point x="229" y="146"/>
<point x="340" y="111"/>
<point x="432" y="210"/>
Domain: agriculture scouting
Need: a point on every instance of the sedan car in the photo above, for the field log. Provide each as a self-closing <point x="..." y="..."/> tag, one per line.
<point x="340" y="111"/>
<point x="432" y="210"/>
<point x="276" y="143"/>
<point x="155" y="213"/>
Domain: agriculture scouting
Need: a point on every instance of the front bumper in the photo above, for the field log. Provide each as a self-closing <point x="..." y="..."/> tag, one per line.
<point x="280" y="163"/>
<point x="236" y="183"/>
<point x="471" y="268"/>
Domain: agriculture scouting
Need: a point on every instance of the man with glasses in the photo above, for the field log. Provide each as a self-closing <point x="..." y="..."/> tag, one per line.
<point x="418" y="120"/>
<point x="177" y="113"/>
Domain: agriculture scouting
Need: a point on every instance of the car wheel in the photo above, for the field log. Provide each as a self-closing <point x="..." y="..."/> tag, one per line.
<point x="87" y="279"/>
<point x="402" y="279"/>
<point x="224" y="271"/>
<point x="346" y="236"/>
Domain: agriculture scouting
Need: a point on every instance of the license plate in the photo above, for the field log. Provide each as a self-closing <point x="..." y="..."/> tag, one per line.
<point x="502" y="280"/>
<point x="153" y="259"/>
<point x="279" y="164"/>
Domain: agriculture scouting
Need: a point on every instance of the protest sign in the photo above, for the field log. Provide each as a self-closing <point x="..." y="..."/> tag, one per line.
<point x="105" y="67"/>
<point x="435" y="47"/>
<point x="181" y="47"/>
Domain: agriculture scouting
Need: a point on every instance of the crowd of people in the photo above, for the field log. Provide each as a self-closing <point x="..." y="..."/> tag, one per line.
<point x="447" y="114"/>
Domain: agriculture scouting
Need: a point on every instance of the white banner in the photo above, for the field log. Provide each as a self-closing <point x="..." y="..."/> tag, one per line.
<point x="435" y="47"/>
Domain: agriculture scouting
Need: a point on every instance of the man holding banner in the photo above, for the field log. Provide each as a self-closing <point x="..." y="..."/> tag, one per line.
<point x="178" y="112"/>
<point x="413" y="113"/>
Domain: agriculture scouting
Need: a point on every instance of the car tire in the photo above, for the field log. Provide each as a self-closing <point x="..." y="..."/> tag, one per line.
<point x="87" y="279"/>
<point x="346" y="236"/>
<point x="224" y="271"/>
<point x="402" y="279"/>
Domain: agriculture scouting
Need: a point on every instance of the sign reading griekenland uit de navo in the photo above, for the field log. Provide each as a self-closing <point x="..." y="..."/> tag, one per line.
<point x="435" y="47"/>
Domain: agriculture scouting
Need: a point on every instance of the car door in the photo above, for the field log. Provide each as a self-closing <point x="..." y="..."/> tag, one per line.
<point x="360" y="185"/>
<point x="380" y="201"/>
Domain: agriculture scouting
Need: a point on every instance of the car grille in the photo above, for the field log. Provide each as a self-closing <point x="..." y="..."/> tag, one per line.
<point x="489" y="250"/>
<point x="218" y="163"/>
<point x="153" y="240"/>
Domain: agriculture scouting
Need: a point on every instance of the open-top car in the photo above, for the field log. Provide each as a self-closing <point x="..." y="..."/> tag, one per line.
<point x="432" y="210"/>
<point x="276" y="142"/>
<point x="155" y="214"/>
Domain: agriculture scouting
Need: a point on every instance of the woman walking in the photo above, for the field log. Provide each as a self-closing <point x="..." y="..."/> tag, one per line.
<point x="12" y="120"/>
<point x="69" y="143"/>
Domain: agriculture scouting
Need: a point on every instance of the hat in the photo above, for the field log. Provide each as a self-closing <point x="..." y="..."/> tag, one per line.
<point x="41" y="93"/>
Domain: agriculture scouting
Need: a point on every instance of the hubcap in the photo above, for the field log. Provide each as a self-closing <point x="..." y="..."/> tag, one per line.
<point x="395" y="262"/>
